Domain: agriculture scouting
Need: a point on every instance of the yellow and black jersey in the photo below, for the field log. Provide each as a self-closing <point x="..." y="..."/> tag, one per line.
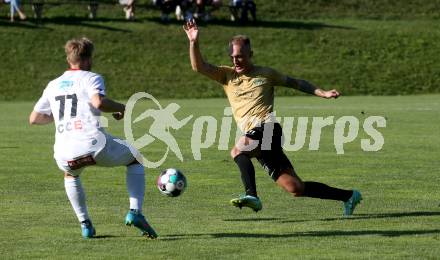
<point x="251" y="94"/>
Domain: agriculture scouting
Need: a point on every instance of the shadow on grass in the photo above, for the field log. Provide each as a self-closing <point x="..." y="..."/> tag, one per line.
<point x="371" y="216"/>
<point x="70" y="20"/>
<point x="297" y="25"/>
<point x="21" y="24"/>
<point x="104" y="236"/>
<point x="251" y="219"/>
<point x="86" y="22"/>
<point x="389" y="215"/>
<point x="385" y="233"/>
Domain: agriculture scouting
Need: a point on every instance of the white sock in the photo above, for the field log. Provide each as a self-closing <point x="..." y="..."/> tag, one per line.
<point x="77" y="197"/>
<point x="136" y="185"/>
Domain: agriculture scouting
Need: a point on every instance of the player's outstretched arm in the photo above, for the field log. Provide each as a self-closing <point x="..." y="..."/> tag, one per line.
<point x="197" y="62"/>
<point x="107" y="105"/>
<point x="36" y="118"/>
<point x="306" y="87"/>
<point x="192" y="31"/>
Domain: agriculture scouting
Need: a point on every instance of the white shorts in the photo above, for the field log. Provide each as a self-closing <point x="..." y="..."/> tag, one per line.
<point x="116" y="152"/>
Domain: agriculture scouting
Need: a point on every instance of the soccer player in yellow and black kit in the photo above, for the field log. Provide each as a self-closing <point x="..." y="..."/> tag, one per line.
<point x="250" y="90"/>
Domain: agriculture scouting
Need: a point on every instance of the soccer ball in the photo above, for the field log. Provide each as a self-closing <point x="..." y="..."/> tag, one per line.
<point x="171" y="182"/>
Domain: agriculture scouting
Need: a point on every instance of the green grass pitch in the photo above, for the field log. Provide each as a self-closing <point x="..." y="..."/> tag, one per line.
<point x="398" y="218"/>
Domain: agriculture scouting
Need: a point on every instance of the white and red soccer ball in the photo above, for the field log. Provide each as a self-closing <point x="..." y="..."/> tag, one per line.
<point x="171" y="182"/>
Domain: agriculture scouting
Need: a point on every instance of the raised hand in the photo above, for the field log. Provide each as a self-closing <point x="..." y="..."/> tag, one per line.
<point x="191" y="30"/>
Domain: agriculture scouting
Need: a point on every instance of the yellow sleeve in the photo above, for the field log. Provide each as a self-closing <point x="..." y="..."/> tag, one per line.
<point x="219" y="73"/>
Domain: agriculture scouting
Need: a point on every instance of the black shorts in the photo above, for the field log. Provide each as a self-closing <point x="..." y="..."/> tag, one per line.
<point x="272" y="156"/>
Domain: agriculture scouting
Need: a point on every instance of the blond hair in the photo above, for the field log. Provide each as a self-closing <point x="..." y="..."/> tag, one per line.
<point x="78" y="50"/>
<point x="243" y="39"/>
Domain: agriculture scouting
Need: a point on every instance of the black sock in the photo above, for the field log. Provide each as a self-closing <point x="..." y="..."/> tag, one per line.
<point x="319" y="190"/>
<point x="247" y="172"/>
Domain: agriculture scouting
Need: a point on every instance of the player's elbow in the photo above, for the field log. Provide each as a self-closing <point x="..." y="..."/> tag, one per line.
<point x="201" y="69"/>
<point x="198" y="66"/>
<point x="98" y="105"/>
<point x="195" y="67"/>
<point x="97" y="102"/>
<point x="33" y="119"/>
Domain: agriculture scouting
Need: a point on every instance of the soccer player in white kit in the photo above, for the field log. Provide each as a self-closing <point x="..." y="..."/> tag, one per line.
<point x="74" y="102"/>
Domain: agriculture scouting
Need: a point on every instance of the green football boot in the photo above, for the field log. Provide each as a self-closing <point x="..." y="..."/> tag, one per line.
<point x="351" y="203"/>
<point x="247" y="201"/>
<point x="138" y="220"/>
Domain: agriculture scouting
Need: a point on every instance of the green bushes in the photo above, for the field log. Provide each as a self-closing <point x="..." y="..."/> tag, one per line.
<point x="358" y="56"/>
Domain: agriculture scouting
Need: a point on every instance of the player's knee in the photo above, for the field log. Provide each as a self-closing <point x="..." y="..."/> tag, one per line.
<point x="291" y="184"/>
<point x="234" y="152"/>
<point x="293" y="188"/>
<point x="298" y="189"/>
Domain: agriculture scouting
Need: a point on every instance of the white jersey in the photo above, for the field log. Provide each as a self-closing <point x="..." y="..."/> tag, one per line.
<point x="77" y="126"/>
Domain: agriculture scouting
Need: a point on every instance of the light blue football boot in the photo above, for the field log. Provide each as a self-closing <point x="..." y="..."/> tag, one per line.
<point x="247" y="201"/>
<point x="87" y="229"/>
<point x="351" y="203"/>
<point x="136" y="219"/>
